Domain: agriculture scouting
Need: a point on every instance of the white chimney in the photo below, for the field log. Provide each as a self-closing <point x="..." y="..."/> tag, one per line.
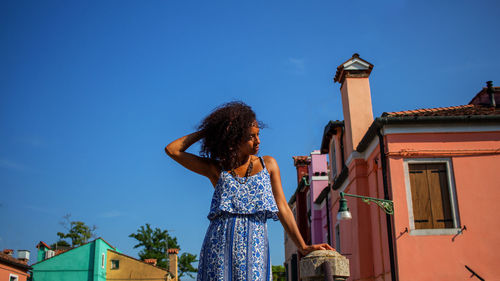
<point x="23" y="255"/>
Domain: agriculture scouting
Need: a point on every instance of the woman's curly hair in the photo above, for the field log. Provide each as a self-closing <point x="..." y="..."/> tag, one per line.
<point x="224" y="130"/>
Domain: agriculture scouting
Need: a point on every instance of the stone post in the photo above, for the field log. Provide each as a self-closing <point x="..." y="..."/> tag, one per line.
<point x="317" y="264"/>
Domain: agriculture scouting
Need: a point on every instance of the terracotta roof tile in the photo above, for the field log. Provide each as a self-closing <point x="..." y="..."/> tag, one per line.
<point x="483" y="98"/>
<point x="13" y="261"/>
<point x="461" y="110"/>
<point x="301" y="160"/>
<point x="173" y="251"/>
<point x="8" y="252"/>
<point x="43" y="244"/>
<point x="57" y="252"/>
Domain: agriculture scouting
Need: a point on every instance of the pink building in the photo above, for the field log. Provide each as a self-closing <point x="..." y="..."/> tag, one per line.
<point x="439" y="166"/>
<point x="299" y="206"/>
<point x="312" y="179"/>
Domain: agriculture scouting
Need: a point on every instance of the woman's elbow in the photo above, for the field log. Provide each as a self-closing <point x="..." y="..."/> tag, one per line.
<point x="170" y="151"/>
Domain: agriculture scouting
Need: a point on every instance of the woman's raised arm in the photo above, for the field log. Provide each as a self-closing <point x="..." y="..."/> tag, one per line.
<point x="203" y="166"/>
<point x="285" y="214"/>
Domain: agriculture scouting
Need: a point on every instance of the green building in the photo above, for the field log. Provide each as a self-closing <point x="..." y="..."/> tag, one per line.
<point x="84" y="263"/>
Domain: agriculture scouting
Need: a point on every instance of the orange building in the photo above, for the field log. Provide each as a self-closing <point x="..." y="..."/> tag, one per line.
<point x="14" y="269"/>
<point x="440" y="168"/>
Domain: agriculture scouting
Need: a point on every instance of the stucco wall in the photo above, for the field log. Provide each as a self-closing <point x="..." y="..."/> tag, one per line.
<point x="317" y="184"/>
<point x="475" y="177"/>
<point x="6" y="270"/>
<point x="79" y="264"/>
<point x="76" y="265"/>
<point x="474" y="167"/>
<point x="132" y="269"/>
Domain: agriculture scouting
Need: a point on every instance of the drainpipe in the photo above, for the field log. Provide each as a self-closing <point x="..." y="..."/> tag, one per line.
<point x="386" y="196"/>
<point x="328" y="227"/>
<point x="342" y="147"/>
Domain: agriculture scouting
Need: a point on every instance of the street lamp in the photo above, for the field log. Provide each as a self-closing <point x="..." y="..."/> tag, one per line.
<point x="344" y="214"/>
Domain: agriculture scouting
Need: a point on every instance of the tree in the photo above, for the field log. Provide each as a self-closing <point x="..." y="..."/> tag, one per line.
<point x="77" y="231"/>
<point x="154" y="243"/>
<point x="61" y="244"/>
<point x="279" y="273"/>
<point x="154" y="246"/>
<point x="185" y="266"/>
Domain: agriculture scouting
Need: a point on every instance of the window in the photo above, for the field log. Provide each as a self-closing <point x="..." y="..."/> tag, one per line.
<point x="115" y="264"/>
<point x="13" y="277"/>
<point x="333" y="160"/>
<point x="103" y="259"/>
<point x="431" y="197"/>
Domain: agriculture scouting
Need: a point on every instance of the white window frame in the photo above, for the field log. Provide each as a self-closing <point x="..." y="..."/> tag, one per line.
<point x="13" y="275"/>
<point x="103" y="259"/>
<point x="452" y="194"/>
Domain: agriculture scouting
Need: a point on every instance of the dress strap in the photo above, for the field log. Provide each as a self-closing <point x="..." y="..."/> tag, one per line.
<point x="262" y="162"/>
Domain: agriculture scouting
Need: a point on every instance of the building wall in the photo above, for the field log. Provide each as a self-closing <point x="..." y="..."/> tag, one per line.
<point x="474" y="173"/>
<point x="76" y="265"/>
<point x="80" y="264"/>
<point x="132" y="269"/>
<point x="360" y="236"/>
<point x="100" y="257"/>
<point x="7" y="270"/>
<point x="173" y="266"/>
<point x="363" y="240"/>
<point x="474" y="167"/>
<point x="41" y="252"/>
<point x="290" y="250"/>
<point x="317" y="184"/>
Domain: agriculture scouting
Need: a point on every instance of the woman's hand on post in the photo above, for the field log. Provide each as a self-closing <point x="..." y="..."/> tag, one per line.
<point x="309" y="248"/>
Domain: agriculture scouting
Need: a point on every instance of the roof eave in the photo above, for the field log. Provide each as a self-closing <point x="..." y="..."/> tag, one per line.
<point x="16" y="264"/>
<point x="388" y="120"/>
<point x="322" y="195"/>
<point x="330" y="130"/>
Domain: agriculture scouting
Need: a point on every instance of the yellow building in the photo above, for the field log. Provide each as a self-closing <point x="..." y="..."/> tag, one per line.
<point x="121" y="267"/>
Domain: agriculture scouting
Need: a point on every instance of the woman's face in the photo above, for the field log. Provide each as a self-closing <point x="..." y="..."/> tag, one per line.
<point x="251" y="141"/>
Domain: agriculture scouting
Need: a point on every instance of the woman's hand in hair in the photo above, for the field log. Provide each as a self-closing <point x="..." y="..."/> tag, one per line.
<point x="203" y="166"/>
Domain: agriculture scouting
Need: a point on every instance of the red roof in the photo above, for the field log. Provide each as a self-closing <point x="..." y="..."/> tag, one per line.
<point x="483" y="98"/>
<point x="461" y="110"/>
<point x="7" y="259"/>
<point x="43" y="244"/>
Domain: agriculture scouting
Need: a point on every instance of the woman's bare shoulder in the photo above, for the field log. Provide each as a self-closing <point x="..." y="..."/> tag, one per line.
<point x="270" y="162"/>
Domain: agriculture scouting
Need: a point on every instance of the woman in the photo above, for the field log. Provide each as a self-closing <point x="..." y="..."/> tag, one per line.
<point x="247" y="192"/>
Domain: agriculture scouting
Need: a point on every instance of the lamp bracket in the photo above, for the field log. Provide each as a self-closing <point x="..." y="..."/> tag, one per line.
<point x="386" y="205"/>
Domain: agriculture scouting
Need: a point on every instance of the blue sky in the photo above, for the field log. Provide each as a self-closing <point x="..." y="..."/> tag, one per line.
<point x="92" y="91"/>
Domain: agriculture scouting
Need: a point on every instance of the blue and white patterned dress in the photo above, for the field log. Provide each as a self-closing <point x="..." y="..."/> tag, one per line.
<point x="236" y="245"/>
